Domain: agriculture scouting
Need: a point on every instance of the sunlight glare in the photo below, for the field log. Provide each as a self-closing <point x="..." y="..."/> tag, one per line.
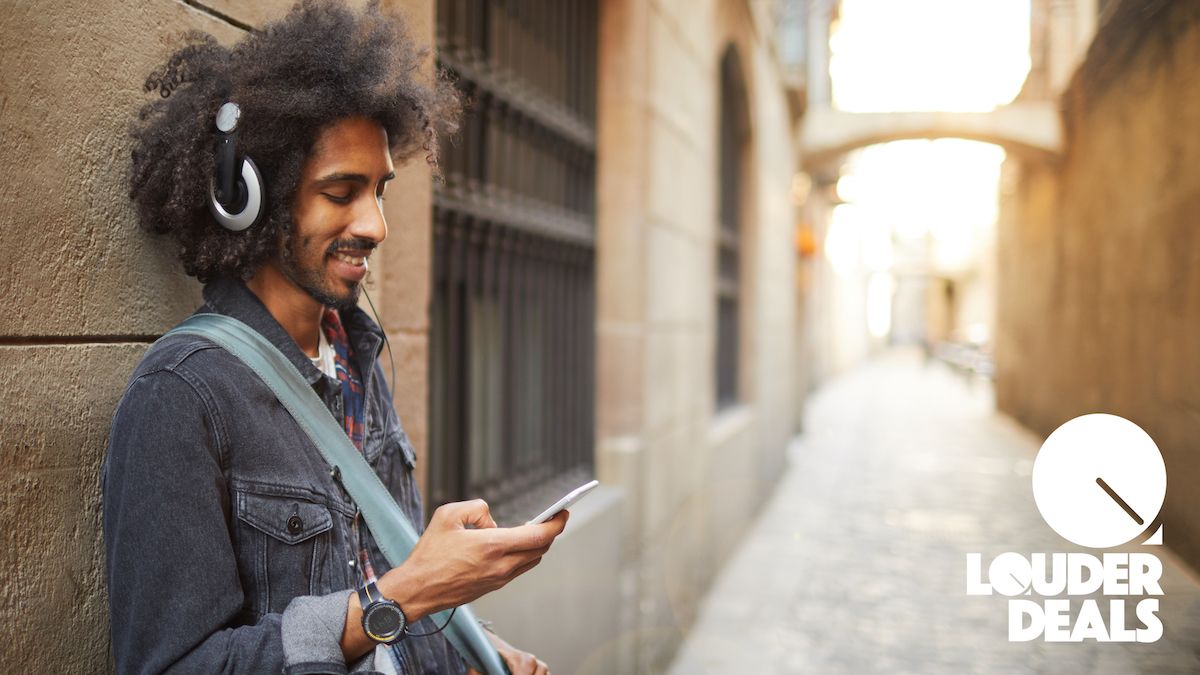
<point x="952" y="55"/>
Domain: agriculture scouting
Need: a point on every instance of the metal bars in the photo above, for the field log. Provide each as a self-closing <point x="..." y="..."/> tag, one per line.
<point x="512" y="339"/>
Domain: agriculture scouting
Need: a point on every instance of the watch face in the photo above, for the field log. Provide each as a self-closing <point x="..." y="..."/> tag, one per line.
<point x="1099" y="481"/>
<point x="383" y="621"/>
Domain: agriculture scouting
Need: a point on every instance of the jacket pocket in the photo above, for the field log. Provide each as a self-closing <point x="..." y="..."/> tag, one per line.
<point x="284" y="545"/>
<point x="408" y="453"/>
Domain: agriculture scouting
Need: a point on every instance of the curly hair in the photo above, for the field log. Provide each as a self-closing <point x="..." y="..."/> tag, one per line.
<point x="319" y="64"/>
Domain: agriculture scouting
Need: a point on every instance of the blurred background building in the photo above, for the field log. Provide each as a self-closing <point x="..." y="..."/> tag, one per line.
<point x="613" y="268"/>
<point x="1037" y="230"/>
<point x="1098" y="301"/>
<point x="663" y="225"/>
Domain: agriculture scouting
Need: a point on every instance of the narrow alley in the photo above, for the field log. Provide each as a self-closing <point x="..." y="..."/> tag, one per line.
<point x="728" y="258"/>
<point x="858" y="562"/>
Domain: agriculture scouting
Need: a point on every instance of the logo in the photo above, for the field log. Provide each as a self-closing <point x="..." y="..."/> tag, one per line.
<point x="1099" y="481"/>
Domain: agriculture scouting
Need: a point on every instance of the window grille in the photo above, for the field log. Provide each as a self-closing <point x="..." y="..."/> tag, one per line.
<point x="512" y="316"/>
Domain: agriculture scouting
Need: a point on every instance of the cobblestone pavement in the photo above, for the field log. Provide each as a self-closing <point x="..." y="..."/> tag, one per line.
<point x="858" y="562"/>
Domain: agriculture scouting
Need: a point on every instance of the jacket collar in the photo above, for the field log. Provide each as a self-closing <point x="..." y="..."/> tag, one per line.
<point x="231" y="297"/>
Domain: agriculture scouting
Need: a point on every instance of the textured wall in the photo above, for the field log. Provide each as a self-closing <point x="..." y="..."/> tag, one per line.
<point x="693" y="476"/>
<point x="85" y="292"/>
<point x="82" y="289"/>
<point x="1099" y="294"/>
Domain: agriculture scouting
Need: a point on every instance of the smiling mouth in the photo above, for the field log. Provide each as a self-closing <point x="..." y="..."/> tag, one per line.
<point x="357" y="261"/>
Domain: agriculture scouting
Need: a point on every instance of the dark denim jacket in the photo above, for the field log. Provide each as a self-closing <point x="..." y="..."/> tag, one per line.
<point x="229" y="543"/>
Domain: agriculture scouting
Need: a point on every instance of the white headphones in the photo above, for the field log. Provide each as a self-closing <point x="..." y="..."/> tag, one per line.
<point x="235" y="194"/>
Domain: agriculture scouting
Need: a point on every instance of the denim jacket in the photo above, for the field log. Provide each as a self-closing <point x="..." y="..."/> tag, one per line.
<point x="229" y="543"/>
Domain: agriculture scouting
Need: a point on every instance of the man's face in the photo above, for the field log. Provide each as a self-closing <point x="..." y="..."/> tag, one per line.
<point x="337" y="213"/>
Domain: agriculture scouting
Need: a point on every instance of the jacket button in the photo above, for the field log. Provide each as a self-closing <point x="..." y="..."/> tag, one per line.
<point x="295" y="525"/>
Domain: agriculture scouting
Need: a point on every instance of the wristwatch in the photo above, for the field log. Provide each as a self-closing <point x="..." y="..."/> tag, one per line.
<point x="382" y="619"/>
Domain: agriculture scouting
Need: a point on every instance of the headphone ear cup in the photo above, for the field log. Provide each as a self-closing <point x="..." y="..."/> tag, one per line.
<point x="250" y="191"/>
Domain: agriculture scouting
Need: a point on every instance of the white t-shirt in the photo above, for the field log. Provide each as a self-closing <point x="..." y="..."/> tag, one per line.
<point x="324" y="358"/>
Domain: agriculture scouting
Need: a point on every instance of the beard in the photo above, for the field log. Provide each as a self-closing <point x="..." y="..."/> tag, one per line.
<point x="306" y="268"/>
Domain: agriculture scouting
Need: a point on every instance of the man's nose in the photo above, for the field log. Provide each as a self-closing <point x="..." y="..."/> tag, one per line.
<point x="369" y="222"/>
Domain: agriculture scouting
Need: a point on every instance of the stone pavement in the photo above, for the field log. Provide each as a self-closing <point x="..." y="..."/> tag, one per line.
<point x="858" y="562"/>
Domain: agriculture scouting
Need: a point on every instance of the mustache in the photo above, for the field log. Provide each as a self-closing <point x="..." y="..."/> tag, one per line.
<point x="356" y="244"/>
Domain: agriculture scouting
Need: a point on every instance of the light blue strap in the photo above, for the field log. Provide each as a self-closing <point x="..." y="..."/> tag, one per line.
<point x="390" y="527"/>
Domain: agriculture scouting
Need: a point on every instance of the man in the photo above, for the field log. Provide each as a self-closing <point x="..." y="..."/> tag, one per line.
<point x="231" y="547"/>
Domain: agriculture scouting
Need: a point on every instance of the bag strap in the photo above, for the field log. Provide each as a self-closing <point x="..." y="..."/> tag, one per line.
<point x="390" y="527"/>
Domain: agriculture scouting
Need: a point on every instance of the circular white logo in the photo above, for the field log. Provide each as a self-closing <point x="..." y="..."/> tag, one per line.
<point x="1099" y="481"/>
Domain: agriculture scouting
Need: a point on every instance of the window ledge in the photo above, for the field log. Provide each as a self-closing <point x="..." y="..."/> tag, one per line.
<point x="729" y="422"/>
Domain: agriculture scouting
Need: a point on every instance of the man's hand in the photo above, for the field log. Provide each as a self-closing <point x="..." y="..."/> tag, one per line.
<point x="460" y="556"/>
<point x="519" y="662"/>
<point x="463" y="555"/>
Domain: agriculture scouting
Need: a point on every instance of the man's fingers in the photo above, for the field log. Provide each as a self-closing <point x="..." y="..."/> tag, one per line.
<point x="477" y="513"/>
<point x="540" y="535"/>
<point x="474" y="513"/>
<point x="518" y="662"/>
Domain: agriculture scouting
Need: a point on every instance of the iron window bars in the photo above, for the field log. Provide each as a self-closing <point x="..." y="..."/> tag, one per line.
<point x="512" y="346"/>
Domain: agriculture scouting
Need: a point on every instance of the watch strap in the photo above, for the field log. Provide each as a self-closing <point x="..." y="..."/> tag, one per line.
<point x="368" y="594"/>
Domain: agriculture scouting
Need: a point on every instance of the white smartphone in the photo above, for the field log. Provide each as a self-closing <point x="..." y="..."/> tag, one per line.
<point x="571" y="497"/>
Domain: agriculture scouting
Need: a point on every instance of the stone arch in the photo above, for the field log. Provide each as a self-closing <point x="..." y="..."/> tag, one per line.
<point x="1030" y="131"/>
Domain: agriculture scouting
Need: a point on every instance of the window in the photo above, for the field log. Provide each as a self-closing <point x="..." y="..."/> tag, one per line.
<point x="734" y="133"/>
<point x="512" y="316"/>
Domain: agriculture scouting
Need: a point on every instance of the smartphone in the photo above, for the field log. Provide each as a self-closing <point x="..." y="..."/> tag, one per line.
<point x="571" y="497"/>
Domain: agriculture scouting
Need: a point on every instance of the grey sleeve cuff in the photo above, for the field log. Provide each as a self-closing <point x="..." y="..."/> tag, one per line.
<point x="312" y="633"/>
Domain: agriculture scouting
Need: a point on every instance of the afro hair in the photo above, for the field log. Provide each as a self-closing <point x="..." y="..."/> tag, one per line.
<point x="320" y="63"/>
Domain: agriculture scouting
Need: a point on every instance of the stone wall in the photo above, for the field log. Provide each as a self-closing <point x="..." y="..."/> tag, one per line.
<point x="693" y="476"/>
<point x="1099" y="257"/>
<point x="85" y="292"/>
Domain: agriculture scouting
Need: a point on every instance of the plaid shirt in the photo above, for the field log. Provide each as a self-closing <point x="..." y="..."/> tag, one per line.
<point x="354" y="422"/>
<point x="348" y="376"/>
